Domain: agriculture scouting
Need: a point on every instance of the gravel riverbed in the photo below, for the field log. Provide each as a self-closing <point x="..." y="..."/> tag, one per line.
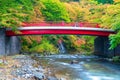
<point x="23" y="67"/>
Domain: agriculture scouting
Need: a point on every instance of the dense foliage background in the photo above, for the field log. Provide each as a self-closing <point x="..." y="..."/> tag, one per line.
<point x="104" y="12"/>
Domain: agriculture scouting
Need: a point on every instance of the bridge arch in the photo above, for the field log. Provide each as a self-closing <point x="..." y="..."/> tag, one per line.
<point x="38" y="30"/>
<point x="9" y="38"/>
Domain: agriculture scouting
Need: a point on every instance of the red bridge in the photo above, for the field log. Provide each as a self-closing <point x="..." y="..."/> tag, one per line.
<point x="79" y="28"/>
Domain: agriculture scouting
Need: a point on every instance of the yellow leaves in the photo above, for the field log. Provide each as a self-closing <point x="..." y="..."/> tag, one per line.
<point x="71" y="11"/>
<point x="111" y="16"/>
<point x="72" y="38"/>
<point x="113" y="9"/>
<point x="106" y="21"/>
<point x="97" y="12"/>
<point x="116" y="1"/>
<point x="37" y="14"/>
<point x="28" y="38"/>
<point x="25" y="47"/>
<point x="76" y="11"/>
<point x="69" y="8"/>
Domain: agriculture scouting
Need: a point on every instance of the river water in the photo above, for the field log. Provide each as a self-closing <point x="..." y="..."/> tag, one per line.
<point x="80" y="67"/>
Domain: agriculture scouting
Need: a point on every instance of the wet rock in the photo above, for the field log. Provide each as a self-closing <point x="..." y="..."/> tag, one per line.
<point x="14" y="79"/>
<point x="74" y="62"/>
<point x="51" y="78"/>
<point x="27" y="76"/>
<point x="88" y="60"/>
<point x="39" y="75"/>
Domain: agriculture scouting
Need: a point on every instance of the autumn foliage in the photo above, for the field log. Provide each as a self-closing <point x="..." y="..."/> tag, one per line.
<point x="104" y="12"/>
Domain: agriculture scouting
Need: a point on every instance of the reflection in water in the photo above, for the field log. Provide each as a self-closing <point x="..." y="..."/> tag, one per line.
<point x="86" y="68"/>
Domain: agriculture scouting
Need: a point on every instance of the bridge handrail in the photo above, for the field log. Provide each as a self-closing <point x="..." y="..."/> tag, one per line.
<point x="74" y="24"/>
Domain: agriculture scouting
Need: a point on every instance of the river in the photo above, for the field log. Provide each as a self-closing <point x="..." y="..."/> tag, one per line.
<point x="80" y="67"/>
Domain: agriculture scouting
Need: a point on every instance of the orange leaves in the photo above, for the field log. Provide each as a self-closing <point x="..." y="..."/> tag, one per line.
<point x="30" y="39"/>
<point x="79" y="42"/>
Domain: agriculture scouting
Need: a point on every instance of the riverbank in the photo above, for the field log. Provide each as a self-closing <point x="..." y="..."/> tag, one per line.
<point x="23" y="67"/>
<point x="56" y="67"/>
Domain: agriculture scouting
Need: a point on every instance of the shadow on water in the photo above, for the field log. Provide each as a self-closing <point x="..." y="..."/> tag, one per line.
<point x="81" y="68"/>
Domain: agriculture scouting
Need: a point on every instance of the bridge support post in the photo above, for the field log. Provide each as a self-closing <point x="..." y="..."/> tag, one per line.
<point x="2" y="41"/>
<point x="107" y="51"/>
<point x="117" y="51"/>
<point x="101" y="47"/>
<point x="13" y="45"/>
<point x="98" y="46"/>
<point x="8" y="45"/>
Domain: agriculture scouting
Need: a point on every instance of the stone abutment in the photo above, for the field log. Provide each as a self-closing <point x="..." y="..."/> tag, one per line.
<point x="102" y="45"/>
<point x="9" y="45"/>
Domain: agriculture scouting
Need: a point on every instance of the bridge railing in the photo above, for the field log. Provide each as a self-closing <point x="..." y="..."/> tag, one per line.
<point x="86" y="24"/>
<point x="52" y="24"/>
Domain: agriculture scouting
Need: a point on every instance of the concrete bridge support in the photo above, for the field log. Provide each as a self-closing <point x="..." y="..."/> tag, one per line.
<point x="13" y="45"/>
<point x="117" y="51"/>
<point x="9" y="44"/>
<point x="101" y="47"/>
<point x="2" y="41"/>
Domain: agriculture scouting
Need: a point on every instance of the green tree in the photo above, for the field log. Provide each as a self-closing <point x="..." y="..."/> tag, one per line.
<point x="44" y="47"/>
<point x="54" y="10"/>
<point x="105" y="1"/>
<point x="111" y="19"/>
<point x="89" y="45"/>
<point x="13" y="12"/>
<point x="70" y="0"/>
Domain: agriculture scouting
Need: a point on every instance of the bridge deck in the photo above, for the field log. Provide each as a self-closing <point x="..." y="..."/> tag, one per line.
<point x="36" y="30"/>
